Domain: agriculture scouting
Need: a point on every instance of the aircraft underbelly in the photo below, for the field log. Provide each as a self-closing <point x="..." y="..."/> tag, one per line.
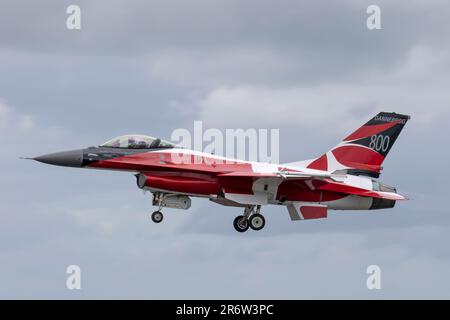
<point x="249" y="191"/>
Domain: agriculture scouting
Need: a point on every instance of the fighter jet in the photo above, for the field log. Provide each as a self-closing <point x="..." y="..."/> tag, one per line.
<point x="343" y="178"/>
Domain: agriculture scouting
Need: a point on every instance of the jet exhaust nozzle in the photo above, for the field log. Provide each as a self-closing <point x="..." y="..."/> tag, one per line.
<point x="382" y="204"/>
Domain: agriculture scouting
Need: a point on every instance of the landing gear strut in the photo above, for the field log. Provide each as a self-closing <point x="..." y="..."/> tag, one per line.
<point x="157" y="216"/>
<point x="251" y="218"/>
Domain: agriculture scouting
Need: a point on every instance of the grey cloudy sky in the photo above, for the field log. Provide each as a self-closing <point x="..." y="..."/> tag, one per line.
<point x="311" y="69"/>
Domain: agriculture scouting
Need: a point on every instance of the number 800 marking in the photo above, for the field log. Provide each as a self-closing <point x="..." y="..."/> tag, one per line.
<point x="379" y="142"/>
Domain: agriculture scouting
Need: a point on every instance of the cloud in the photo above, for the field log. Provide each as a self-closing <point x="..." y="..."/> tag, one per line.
<point x="23" y="135"/>
<point x="10" y="120"/>
<point x="293" y="65"/>
<point x="415" y="87"/>
<point x="207" y="68"/>
<point x="137" y="259"/>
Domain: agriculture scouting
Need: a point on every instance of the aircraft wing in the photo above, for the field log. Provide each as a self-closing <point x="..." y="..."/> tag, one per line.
<point x="331" y="182"/>
<point x="285" y="175"/>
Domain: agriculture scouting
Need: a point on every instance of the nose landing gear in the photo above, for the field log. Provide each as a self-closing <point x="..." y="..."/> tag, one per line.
<point x="251" y="218"/>
<point x="157" y="216"/>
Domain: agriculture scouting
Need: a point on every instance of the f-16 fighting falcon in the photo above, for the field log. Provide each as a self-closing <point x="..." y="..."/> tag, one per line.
<point x="344" y="178"/>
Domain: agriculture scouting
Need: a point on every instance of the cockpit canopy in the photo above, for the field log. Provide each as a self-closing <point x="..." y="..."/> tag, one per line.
<point x="137" y="142"/>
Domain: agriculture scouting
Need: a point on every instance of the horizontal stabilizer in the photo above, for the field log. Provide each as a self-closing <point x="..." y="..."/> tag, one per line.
<point x="343" y="188"/>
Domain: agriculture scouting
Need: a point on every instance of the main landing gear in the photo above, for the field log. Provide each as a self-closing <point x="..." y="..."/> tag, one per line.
<point x="250" y="219"/>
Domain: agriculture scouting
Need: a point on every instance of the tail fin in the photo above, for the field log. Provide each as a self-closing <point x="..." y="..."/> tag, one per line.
<point x="363" y="151"/>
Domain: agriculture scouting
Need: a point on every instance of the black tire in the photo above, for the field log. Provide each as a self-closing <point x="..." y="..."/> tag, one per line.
<point x="157" y="216"/>
<point x="240" y="224"/>
<point x="257" y="221"/>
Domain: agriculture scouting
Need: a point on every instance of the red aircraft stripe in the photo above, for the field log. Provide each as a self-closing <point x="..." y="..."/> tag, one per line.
<point x="320" y="163"/>
<point x="368" y="130"/>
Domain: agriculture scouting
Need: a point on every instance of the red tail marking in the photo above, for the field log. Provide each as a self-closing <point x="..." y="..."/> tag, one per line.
<point x="320" y="163"/>
<point x="368" y="130"/>
<point x="358" y="157"/>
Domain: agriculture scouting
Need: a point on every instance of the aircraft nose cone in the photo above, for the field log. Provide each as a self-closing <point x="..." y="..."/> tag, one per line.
<point x="72" y="158"/>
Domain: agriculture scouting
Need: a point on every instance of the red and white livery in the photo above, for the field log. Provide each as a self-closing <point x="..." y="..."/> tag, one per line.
<point x="344" y="178"/>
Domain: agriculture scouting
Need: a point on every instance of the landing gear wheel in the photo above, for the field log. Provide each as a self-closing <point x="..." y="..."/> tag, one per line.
<point x="241" y="224"/>
<point x="257" y="221"/>
<point x="157" y="216"/>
